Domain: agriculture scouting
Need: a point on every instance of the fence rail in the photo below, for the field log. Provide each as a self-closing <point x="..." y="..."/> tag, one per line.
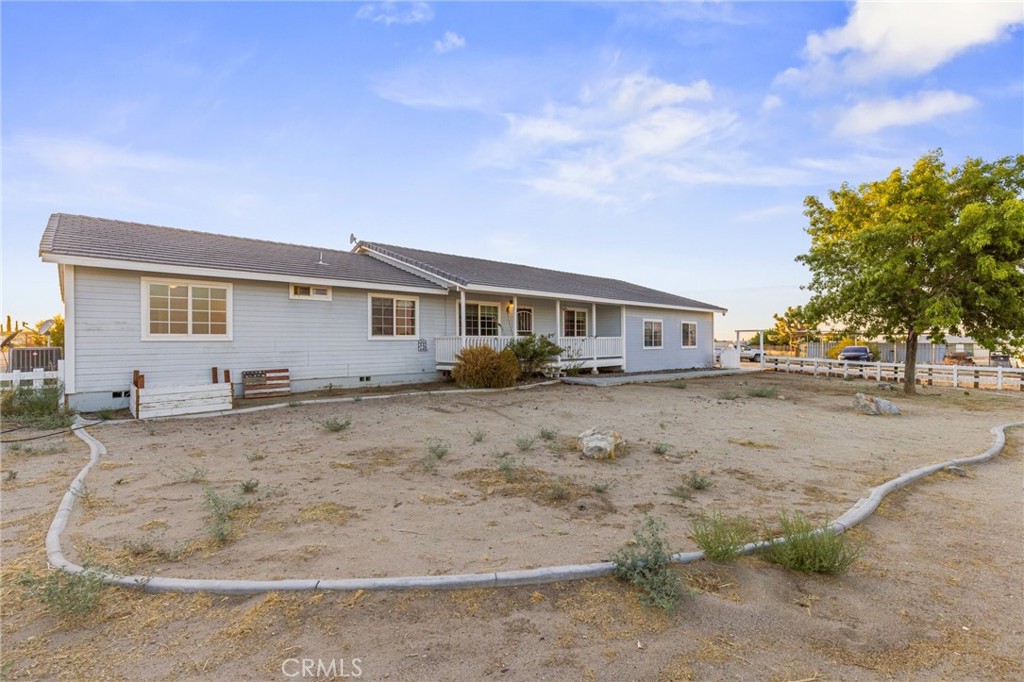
<point x="37" y="378"/>
<point x="957" y="376"/>
<point x="580" y="349"/>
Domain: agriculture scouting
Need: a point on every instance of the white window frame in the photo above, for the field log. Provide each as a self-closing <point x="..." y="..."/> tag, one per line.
<point x="682" y="336"/>
<point x="312" y="295"/>
<point x="519" y="330"/>
<point x="576" y="313"/>
<point x="391" y="337"/>
<point x="661" y="333"/>
<point x="190" y="336"/>
<point x="489" y="304"/>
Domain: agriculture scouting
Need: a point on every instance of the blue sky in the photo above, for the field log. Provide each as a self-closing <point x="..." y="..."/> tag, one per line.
<point x="668" y="144"/>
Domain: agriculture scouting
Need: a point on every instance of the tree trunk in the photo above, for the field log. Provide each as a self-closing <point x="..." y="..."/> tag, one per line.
<point x="910" y="366"/>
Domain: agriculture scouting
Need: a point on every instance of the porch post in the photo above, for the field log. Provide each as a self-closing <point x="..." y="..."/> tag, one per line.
<point x="515" y="316"/>
<point x="462" y="319"/>
<point x="593" y="314"/>
<point x="622" y="337"/>
<point x="558" y="320"/>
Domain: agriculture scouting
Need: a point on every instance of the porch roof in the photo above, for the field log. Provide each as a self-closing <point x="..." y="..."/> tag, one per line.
<point x="483" y="274"/>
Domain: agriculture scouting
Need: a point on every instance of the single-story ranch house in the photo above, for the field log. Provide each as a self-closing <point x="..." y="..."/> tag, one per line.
<point x="173" y="303"/>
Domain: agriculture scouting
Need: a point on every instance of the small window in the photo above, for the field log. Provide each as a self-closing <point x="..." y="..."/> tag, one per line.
<point x="689" y="335"/>
<point x="574" y="322"/>
<point x="310" y="292"/>
<point x="652" y="333"/>
<point x="524" y="321"/>
<point x="393" y="317"/>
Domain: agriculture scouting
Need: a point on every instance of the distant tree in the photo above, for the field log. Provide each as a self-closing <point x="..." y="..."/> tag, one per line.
<point x="57" y="331"/>
<point x="926" y="252"/>
<point x="792" y="328"/>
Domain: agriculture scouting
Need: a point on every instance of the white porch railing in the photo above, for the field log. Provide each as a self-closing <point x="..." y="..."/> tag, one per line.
<point x="575" y="349"/>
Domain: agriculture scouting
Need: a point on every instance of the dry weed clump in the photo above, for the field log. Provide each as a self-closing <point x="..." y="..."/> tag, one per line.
<point x="484" y="367"/>
<point x="535" y="484"/>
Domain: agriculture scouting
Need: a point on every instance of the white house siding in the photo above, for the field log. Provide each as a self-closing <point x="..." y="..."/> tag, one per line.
<point x="320" y="342"/>
<point x="671" y="355"/>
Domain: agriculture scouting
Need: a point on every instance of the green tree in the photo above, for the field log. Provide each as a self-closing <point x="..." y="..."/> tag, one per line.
<point x="792" y="327"/>
<point x="924" y="252"/>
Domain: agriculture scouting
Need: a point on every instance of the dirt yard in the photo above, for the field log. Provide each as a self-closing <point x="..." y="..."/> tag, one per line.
<point x="466" y="483"/>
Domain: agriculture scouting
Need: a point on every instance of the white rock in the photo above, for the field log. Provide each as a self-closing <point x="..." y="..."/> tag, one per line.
<point x="869" y="404"/>
<point x="599" y="443"/>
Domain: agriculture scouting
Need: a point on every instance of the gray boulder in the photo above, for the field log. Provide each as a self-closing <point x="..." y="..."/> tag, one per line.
<point x="599" y="443"/>
<point x="869" y="404"/>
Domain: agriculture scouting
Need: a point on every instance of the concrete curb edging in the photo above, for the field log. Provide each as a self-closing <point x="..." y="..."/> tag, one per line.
<point x="55" y="553"/>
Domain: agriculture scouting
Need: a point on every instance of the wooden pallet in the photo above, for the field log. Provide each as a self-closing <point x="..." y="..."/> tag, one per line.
<point x="266" y="383"/>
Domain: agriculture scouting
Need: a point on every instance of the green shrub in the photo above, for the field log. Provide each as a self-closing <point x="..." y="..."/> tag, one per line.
<point x="525" y="443"/>
<point x="38" y="408"/>
<point x="534" y="353"/>
<point x="763" y="392"/>
<point x="661" y="448"/>
<point x="484" y="367"/>
<point x="220" y="507"/>
<point x="722" y="538"/>
<point x="647" y="565"/>
<point x="697" y="481"/>
<point x="809" y="548"/>
<point x="69" y="595"/>
<point x="477" y="435"/>
<point x="249" y="486"/>
<point x="335" y="425"/>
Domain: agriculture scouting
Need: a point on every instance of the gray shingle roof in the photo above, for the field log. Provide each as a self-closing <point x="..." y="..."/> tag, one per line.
<point x="83" y="236"/>
<point x="479" y="271"/>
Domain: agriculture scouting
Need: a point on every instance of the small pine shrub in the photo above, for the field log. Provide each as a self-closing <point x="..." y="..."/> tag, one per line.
<point x="722" y="538"/>
<point x="484" y="367"/>
<point x="809" y="548"/>
<point x="533" y="353"/>
<point x="647" y="565"/>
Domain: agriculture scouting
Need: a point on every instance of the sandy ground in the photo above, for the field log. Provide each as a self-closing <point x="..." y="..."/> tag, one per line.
<point x="482" y="482"/>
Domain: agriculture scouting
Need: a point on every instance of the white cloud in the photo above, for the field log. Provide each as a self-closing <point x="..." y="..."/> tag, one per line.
<point x="883" y="39"/>
<point x="89" y="157"/>
<point x="388" y="13"/>
<point x="626" y="139"/>
<point x="771" y="102"/>
<point x="874" y="115"/>
<point x="449" y="41"/>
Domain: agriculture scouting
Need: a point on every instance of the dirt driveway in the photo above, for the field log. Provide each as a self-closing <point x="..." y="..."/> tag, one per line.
<point x="482" y="482"/>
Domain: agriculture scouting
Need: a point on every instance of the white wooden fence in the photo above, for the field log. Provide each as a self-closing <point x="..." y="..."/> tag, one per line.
<point x="37" y="378"/>
<point x="957" y="376"/>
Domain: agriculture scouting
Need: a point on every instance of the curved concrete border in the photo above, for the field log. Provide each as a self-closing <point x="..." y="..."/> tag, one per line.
<point x="55" y="554"/>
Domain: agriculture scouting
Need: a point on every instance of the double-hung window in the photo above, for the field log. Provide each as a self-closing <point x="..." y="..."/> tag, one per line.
<point x="481" y="319"/>
<point x="186" y="310"/>
<point x="689" y="334"/>
<point x="393" y="316"/>
<point x="574" y="322"/>
<point x="652" y="334"/>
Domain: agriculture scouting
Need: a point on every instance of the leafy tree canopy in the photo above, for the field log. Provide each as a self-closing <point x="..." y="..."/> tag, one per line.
<point x="923" y="252"/>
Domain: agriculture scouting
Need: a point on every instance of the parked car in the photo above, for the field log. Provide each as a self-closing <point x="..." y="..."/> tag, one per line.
<point x="999" y="360"/>
<point x="857" y="354"/>
<point x="748" y="353"/>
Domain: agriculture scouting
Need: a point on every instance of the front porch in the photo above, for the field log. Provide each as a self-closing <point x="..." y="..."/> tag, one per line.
<point x="580" y="352"/>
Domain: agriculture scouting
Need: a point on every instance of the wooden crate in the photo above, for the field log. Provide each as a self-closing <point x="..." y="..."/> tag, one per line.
<point x="266" y="383"/>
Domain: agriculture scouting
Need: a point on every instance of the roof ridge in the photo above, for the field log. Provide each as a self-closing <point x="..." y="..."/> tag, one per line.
<point x="190" y="231"/>
<point x="386" y="250"/>
<point x="518" y="265"/>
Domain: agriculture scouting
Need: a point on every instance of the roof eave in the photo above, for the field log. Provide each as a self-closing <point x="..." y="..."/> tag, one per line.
<point x="489" y="289"/>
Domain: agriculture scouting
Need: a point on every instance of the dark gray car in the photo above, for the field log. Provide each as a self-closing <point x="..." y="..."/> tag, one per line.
<point x="856" y="353"/>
